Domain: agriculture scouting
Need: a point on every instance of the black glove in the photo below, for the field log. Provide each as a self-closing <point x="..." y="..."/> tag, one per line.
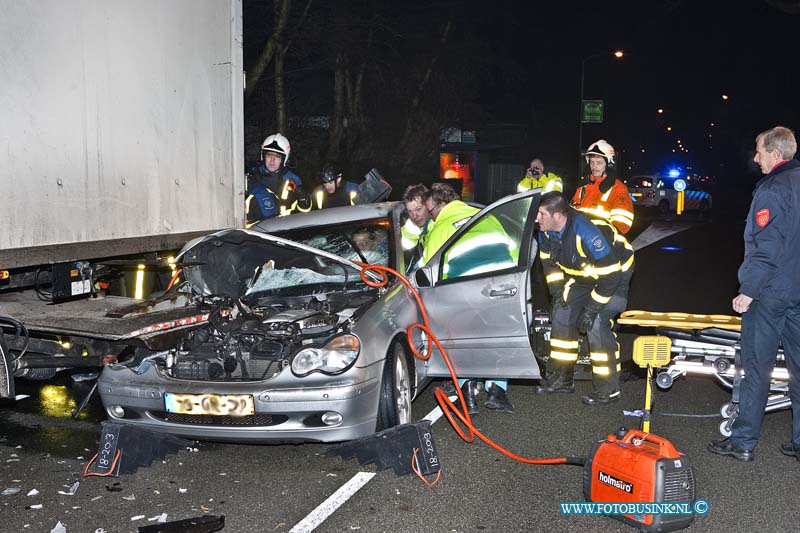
<point x="587" y="316"/>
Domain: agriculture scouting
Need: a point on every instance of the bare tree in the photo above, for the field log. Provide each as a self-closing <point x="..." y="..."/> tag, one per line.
<point x="412" y="121"/>
<point x="282" y="8"/>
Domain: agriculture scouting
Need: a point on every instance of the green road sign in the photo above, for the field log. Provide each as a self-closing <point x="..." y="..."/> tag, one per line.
<point x="592" y="111"/>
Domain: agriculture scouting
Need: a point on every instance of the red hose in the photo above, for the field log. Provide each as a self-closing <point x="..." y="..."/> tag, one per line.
<point x="450" y="410"/>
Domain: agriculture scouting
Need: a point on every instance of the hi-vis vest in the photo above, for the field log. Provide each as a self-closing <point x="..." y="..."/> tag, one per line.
<point x="412" y="234"/>
<point x="485" y="247"/>
<point x="547" y="182"/>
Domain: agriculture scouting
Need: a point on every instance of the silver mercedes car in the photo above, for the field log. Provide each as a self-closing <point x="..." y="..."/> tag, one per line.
<point x="288" y="342"/>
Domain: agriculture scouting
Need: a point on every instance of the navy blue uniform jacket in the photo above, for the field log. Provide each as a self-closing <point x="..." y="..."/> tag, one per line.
<point x="771" y="265"/>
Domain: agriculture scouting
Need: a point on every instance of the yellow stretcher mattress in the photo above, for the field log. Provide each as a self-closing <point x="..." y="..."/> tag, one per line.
<point x="680" y="320"/>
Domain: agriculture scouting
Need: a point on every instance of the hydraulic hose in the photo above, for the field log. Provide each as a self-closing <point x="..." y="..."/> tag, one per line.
<point x="464" y="427"/>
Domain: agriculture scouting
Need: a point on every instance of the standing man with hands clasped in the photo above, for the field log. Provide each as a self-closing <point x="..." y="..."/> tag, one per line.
<point x="769" y="294"/>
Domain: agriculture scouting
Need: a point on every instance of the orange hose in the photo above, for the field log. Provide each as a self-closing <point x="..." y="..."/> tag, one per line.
<point x="448" y="407"/>
<point x="174" y="278"/>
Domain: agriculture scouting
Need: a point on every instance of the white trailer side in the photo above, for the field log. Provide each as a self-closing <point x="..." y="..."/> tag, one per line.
<point x="121" y="126"/>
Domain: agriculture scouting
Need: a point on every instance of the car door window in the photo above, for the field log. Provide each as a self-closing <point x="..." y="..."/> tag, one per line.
<point x="490" y="244"/>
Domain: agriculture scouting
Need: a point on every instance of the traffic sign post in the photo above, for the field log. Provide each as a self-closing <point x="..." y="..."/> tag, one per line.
<point x="679" y="186"/>
<point x="592" y="112"/>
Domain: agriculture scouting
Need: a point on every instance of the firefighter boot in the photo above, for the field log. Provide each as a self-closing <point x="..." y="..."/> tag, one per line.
<point x="606" y="387"/>
<point x="559" y="380"/>
<point x="470" y="391"/>
<point x="601" y="398"/>
<point x="498" y="400"/>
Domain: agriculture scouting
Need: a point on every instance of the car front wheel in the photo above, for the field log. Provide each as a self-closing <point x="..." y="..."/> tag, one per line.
<point x="395" y="394"/>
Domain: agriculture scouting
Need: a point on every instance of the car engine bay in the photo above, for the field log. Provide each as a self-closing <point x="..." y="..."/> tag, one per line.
<point x="256" y="342"/>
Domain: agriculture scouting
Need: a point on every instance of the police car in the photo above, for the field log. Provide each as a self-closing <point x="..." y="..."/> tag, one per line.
<point x="656" y="191"/>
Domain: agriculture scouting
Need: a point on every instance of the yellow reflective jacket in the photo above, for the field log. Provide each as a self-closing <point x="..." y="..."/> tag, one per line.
<point x="547" y="182"/>
<point x="486" y="246"/>
<point x="413" y="234"/>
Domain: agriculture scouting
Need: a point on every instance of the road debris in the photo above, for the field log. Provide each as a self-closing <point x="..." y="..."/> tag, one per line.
<point x="72" y="489"/>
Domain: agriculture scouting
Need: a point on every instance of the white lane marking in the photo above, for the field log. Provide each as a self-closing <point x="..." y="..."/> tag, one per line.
<point x="338" y="498"/>
<point x="329" y="506"/>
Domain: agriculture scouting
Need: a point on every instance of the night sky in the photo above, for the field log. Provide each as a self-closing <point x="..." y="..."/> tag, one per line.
<point x="680" y="56"/>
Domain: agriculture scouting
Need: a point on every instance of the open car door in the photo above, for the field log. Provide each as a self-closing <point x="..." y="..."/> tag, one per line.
<point x="477" y="292"/>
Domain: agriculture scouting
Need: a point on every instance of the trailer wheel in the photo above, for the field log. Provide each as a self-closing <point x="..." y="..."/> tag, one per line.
<point x="394" y="407"/>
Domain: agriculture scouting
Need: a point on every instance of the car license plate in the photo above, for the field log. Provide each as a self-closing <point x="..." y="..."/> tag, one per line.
<point x="210" y="404"/>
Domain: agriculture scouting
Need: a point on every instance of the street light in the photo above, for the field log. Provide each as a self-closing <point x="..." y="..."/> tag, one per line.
<point x="617" y="54"/>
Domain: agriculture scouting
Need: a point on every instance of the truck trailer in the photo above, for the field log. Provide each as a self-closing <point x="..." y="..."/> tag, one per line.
<point x="121" y="140"/>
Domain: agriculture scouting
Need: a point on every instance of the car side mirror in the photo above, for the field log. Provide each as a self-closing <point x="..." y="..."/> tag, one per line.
<point x="423" y="276"/>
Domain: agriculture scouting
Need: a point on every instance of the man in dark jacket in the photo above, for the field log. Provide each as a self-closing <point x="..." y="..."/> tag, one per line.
<point x="769" y="294"/>
<point x="334" y="192"/>
<point x="588" y="266"/>
<point x="273" y="189"/>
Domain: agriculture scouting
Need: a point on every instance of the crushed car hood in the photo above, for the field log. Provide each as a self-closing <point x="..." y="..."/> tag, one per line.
<point x="230" y="263"/>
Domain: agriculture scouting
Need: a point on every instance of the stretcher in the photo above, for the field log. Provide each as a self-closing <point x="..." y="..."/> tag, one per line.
<point x="709" y="345"/>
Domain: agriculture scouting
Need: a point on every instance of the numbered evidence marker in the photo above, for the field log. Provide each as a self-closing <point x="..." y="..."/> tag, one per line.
<point x="394" y="448"/>
<point x="124" y="448"/>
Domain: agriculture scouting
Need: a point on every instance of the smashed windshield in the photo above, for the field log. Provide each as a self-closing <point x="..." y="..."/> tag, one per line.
<point x="365" y="242"/>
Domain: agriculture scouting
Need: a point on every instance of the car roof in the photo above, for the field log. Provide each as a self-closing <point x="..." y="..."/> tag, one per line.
<point x="327" y="217"/>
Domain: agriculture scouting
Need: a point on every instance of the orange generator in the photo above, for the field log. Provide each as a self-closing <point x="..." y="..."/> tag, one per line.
<point x="637" y="467"/>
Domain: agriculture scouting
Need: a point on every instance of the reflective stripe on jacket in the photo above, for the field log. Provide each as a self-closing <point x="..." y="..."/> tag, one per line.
<point x="412" y="234"/>
<point x="273" y="194"/>
<point x="587" y="251"/>
<point x="485" y="247"/>
<point x="609" y="203"/>
<point x="345" y="194"/>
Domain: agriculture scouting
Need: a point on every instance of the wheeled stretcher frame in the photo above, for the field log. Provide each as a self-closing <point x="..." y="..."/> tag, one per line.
<point x="709" y="345"/>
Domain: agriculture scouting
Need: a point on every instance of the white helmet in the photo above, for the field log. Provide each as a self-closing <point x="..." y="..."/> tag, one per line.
<point x="278" y="144"/>
<point x="603" y="149"/>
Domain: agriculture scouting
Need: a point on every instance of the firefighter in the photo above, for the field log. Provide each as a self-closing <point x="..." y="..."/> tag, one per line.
<point x="604" y="195"/>
<point x="334" y="192"/>
<point x="485" y="245"/>
<point x="768" y="299"/>
<point x="273" y="189"/>
<point x="416" y="229"/>
<point x="537" y="178"/>
<point x="588" y="266"/>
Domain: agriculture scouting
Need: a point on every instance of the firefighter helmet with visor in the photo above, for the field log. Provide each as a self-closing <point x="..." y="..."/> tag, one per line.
<point x="603" y="149"/>
<point x="277" y="144"/>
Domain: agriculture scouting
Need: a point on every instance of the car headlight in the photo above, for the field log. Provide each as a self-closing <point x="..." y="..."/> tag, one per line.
<point x="335" y="357"/>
